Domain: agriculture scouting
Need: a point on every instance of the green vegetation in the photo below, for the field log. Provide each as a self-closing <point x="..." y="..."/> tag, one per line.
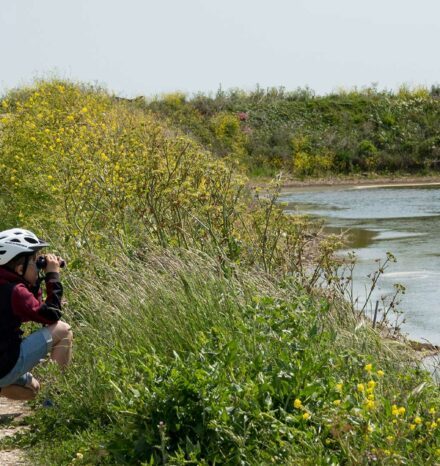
<point x="367" y="131"/>
<point x="202" y="335"/>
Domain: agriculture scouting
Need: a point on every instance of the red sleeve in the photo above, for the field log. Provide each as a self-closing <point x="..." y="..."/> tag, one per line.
<point x="28" y="308"/>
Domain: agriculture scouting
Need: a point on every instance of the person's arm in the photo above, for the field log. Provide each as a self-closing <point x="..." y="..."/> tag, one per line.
<point x="28" y="308"/>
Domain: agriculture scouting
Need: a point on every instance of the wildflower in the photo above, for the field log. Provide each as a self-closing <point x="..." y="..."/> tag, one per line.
<point x="412" y="426"/>
<point x="396" y="411"/>
<point x="337" y="402"/>
<point x="380" y="373"/>
<point x="369" y="404"/>
<point x="417" y="420"/>
<point x="297" y="404"/>
<point x="306" y="416"/>
<point x="84" y="110"/>
<point x="372" y="384"/>
<point x="338" y="387"/>
<point x="432" y="411"/>
<point x="368" y="367"/>
<point x="370" y="428"/>
<point x="433" y="425"/>
<point x="360" y="387"/>
<point x="390" y="438"/>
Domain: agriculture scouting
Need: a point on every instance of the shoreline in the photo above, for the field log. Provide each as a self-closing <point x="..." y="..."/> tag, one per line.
<point x="351" y="182"/>
<point x="422" y="348"/>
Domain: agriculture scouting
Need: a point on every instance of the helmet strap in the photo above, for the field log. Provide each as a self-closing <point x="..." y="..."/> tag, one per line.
<point x="25" y="264"/>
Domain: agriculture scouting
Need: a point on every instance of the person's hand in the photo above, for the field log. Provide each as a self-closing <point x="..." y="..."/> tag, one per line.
<point x="52" y="263"/>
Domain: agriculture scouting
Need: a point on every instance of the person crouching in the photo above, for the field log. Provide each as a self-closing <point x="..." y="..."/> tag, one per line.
<point x="20" y="302"/>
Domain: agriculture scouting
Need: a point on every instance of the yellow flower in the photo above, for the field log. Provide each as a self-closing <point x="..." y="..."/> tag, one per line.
<point x="360" y="387"/>
<point x="306" y="416"/>
<point x="433" y="425"/>
<point x="368" y="367"/>
<point x="370" y="404"/>
<point x="412" y="426"/>
<point x="337" y="402"/>
<point x="417" y="420"/>
<point x="84" y="110"/>
<point x="390" y="438"/>
<point x="371" y="384"/>
<point x="297" y="404"/>
<point x="432" y="411"/>
<point x="338" y="387"/>
<point x="402" y="411"/>
<point x="380" y="373"/>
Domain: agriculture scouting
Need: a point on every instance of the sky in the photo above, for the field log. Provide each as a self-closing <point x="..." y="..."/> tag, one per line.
<point x="145" y="47"/>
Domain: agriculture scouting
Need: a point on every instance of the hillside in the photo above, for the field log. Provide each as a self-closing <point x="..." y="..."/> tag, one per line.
<point x="210" y="327"/>
<point x="303" y="134"/>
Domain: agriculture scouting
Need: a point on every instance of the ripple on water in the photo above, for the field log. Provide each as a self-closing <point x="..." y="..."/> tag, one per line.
<point x="412" y="274"/>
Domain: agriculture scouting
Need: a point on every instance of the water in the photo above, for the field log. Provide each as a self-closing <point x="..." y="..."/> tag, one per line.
<point x="402" y="220"/>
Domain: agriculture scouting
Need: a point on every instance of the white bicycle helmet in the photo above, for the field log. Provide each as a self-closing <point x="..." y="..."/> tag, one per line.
<point x="17" y="242"/>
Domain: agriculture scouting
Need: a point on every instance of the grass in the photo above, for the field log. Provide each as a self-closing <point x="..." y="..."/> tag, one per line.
<point x="177" y="364"/>
<point x="201" y="334"/>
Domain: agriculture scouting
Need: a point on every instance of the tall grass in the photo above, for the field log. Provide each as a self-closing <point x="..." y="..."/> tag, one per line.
<point x="177" y="364"/>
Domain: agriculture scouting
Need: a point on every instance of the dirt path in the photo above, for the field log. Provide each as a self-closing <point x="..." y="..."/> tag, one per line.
<point x="11" y="412"/>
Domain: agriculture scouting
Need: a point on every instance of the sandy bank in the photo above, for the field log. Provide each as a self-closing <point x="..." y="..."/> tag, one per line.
<point x="352" y="182"/>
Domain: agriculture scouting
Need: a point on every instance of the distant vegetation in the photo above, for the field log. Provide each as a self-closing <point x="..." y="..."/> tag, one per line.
<point x="308" y="135"/>
<point x="210" y="327"/>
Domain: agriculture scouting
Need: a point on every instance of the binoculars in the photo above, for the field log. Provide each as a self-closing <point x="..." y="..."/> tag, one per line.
<point x="42" y="263"/>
